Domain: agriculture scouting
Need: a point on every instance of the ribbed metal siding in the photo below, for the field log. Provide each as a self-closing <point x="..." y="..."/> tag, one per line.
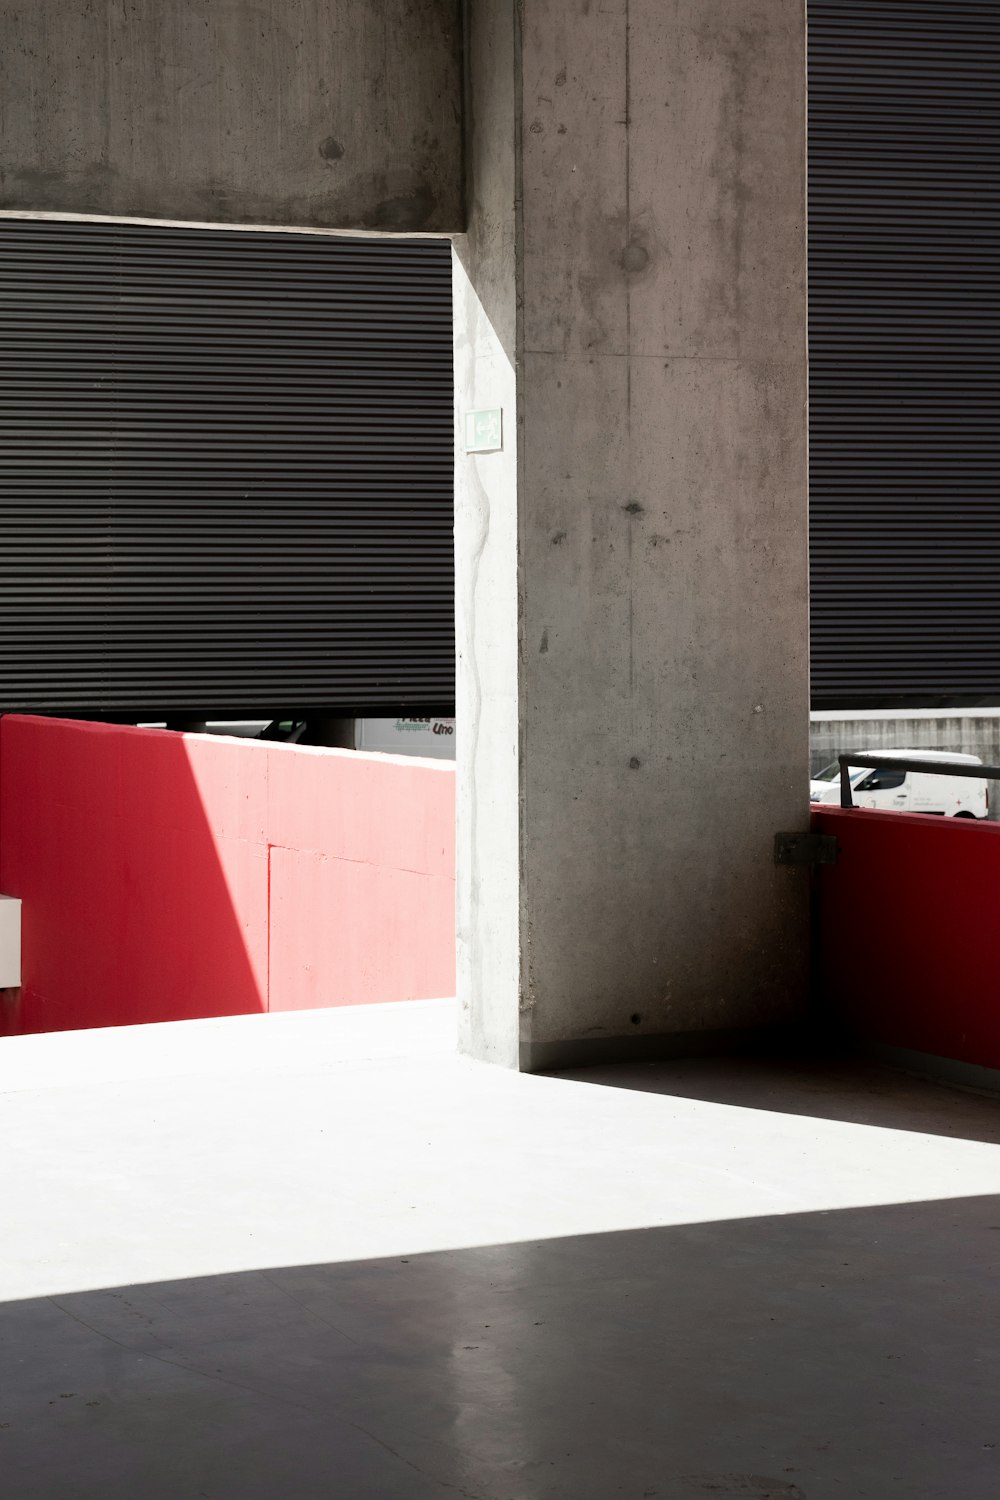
<point x="904" y="315"/>
<point x="226" y="471"/>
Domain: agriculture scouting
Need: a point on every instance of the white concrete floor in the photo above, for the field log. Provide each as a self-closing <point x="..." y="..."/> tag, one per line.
<point x="319" y="1255"/>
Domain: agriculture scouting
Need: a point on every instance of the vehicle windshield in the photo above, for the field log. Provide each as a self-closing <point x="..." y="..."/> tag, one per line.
<point x="832" y="773"/>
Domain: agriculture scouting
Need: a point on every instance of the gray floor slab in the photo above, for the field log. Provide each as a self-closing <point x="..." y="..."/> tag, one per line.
<point x="320" y="1255"/>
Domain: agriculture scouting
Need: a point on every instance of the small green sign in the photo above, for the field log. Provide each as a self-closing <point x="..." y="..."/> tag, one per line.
<point x="484" y="431"/>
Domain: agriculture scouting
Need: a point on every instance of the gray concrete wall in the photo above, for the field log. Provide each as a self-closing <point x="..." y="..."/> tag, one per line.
<point x="657" y="223"/>
<point x="966" y="731"/>
<point x="334" y="113"/>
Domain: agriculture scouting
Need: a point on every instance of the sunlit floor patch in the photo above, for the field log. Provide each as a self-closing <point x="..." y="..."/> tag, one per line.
<point x="202" y="1148"/>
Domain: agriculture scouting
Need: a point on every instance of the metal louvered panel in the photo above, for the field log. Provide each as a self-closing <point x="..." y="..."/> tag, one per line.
<point x="904" y="320"/>
<point x="226" y="472"/>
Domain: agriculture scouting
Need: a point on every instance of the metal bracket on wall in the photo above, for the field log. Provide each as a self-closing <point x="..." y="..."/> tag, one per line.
<point x="805" y="849"/>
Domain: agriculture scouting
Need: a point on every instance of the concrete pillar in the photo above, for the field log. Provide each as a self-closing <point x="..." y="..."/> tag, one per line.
<point x="631" y="566"/>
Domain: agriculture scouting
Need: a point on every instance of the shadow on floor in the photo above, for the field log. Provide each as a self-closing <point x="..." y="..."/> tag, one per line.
<point x="823" y="1355"/>
<point x="828" y="1086"/>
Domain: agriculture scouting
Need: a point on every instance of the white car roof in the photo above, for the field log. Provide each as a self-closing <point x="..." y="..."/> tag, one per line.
<point x="966" y="760"/>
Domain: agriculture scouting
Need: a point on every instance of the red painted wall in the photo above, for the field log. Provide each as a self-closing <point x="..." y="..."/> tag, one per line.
<point x="908" y="929"/>
<point x="166" y="877"/>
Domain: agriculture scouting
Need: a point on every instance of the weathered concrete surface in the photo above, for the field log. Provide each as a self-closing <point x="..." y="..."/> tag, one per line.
<point x="658" y="267"/>
<point x="339" y="113"/>
<point x="967" y="731"/>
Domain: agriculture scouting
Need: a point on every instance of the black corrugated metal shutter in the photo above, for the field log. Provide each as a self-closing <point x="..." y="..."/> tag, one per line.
<point x="226" y="471"/>
<point x="904" y="317"/>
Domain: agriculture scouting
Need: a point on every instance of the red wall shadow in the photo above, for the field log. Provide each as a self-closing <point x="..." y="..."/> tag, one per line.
<point x="907" y="924"/>
<point x="167" y="877"/>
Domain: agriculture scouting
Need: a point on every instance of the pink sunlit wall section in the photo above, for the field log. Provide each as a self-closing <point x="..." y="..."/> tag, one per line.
<point x="167" y="877"/>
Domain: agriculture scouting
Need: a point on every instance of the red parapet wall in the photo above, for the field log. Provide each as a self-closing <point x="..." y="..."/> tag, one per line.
<point x="167" y="877"/>
<point x="907" y="926"/>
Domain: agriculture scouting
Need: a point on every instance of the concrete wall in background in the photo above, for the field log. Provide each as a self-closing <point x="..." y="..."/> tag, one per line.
<point x="343" y="114"/>
<point x="636" y="250"/>
<point x="165" y="877"/>
<point x="969" y="731"/>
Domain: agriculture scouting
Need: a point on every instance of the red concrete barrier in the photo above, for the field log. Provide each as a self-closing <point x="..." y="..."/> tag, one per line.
<point x="907" y="933"/>
<point x="166" y="877"/>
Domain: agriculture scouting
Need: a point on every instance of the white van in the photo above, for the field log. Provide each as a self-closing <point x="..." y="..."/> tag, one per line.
<point x="908" y="791"/>
<point x="428" y="737"/>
